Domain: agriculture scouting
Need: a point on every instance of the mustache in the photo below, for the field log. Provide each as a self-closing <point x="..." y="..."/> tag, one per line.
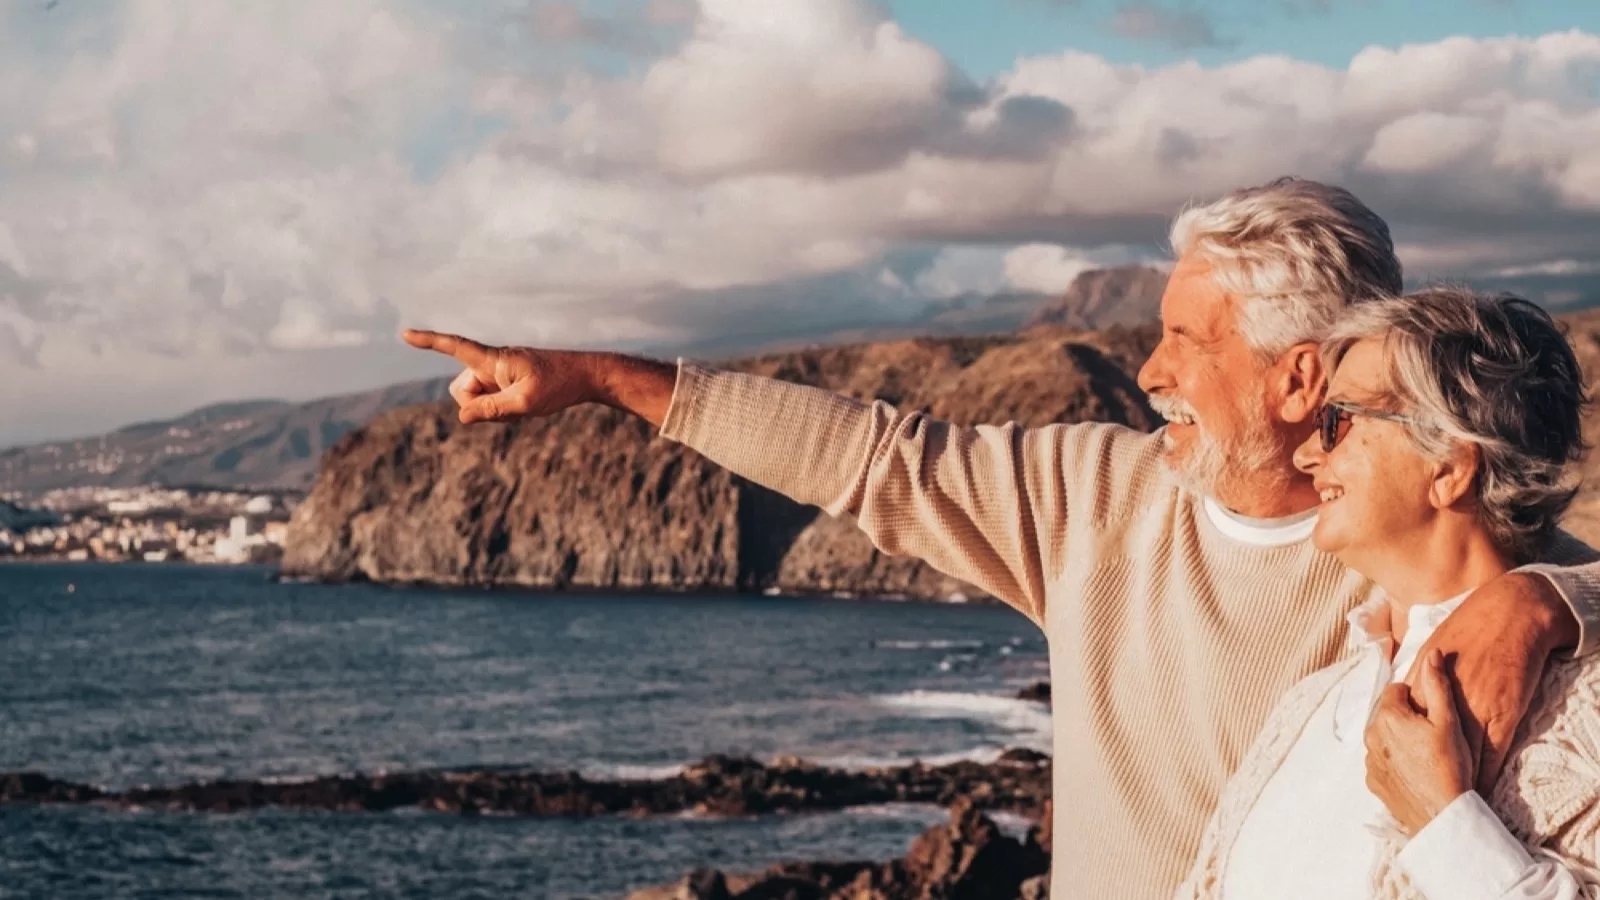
<point x="1169" y="407"/>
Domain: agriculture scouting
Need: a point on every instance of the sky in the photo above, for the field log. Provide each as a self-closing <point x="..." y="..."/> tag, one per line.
<point x="205" y="201"/>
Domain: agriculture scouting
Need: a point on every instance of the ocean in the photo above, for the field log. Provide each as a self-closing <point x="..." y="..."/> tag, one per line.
<point x="160" y="674"/>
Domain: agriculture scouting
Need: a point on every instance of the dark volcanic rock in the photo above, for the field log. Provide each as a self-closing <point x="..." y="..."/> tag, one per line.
<point x="33" y="787"/>
<point x="593" y="499"/>
<point x="719" y="785"/>
<point x="967" y="859"/>
<point x="1039" y="692"/>
<point x="1100" y="298"/>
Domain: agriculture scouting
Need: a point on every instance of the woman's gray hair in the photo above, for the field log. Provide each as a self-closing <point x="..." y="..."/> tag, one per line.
<point x="1494" y="371"/>
<point x="1295" y="253"/>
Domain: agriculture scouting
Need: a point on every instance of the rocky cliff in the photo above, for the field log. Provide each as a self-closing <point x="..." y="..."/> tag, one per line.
<point x="1100" y="298"/>
<point x="592" y="499"/>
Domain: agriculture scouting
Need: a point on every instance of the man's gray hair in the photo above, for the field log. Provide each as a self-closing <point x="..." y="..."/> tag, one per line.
<point x="1490" y="370"/>
<point x="1294" y="253"/>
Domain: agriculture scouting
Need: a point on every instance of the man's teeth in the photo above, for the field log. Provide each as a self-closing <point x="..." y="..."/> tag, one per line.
<point x="1330" y="494"/>
<point x="1178" y="418"/>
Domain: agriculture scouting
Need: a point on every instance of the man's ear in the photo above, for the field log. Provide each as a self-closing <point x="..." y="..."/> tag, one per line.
<point x="1301" y="381"/>
<point x="1454" y="477"/>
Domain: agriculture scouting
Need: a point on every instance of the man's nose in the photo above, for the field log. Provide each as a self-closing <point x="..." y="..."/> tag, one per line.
<point x="1309" y="456"/>
<point x="1154" y="375"/>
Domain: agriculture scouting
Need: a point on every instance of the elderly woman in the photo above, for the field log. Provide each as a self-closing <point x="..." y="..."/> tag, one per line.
<point x="1440" y="458"/>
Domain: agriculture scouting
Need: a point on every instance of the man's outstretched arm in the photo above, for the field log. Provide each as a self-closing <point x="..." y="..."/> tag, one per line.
<point x="986" y="505"/>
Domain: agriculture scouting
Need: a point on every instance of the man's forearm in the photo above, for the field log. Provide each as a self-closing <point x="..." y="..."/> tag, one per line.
<point x="632" y="384"/>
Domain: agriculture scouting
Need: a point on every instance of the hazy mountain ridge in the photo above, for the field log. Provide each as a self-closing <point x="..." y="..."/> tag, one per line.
<point x="278" y="444"/>
<point x="253" y="443"/>
<point x="1100" y="298"/>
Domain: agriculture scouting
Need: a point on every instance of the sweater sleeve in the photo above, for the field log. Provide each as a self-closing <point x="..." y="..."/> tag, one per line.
<point x="1573" y="567"/>
<point x="985" y="504"/>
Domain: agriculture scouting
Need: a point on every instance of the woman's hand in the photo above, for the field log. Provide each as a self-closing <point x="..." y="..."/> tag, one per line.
<point x="1418" y="761"/>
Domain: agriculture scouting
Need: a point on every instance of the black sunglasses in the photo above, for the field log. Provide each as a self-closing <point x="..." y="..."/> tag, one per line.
<point x="1333" y="415"/>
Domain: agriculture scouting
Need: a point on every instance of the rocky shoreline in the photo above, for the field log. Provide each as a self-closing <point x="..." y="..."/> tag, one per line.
<point x="1018" y="782"/>
<point x="968" y="858"/>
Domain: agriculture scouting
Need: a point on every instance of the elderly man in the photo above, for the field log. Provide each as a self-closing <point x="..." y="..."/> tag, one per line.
<point x="1171" y="572"/>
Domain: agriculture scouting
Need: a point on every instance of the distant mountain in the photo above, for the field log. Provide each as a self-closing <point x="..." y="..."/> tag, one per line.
<point x="252" y="443"/>
<point x="278" y="444"/>
<point x="964" y="315"/>
<point x="1100" y="298"/>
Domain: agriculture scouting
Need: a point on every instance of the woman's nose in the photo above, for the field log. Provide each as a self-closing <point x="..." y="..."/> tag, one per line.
<point x="1309" y="455"/>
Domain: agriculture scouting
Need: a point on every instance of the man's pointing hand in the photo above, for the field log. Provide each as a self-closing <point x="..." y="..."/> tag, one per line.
<point x="503" y="383"/>
<point x="499" y="384"/>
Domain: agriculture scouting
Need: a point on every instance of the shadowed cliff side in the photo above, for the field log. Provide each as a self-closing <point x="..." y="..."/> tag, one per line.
<point x="593" y="499"/>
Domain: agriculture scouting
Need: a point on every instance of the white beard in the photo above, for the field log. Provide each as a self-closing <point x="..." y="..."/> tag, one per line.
<point x="1212" y="468"/>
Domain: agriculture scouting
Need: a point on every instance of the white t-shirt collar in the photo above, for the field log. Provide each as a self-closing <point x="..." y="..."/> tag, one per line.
<point x="1261" y="532"/>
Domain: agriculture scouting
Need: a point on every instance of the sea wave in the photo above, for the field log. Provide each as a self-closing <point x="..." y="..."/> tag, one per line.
<point x="937" y="644"/>
<point x="1011" y="824"/>
<point x="631" y="771"/>
<point x="1017" y="722"/>
<point x="924" y="814"/>
<point x="984" y="755"/>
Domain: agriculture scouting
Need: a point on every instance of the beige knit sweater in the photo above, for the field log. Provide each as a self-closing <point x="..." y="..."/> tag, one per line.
<point x="1169" y="641"/>
<point x="1548" y="795"/>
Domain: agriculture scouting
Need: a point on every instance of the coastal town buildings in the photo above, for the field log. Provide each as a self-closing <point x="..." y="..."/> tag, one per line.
<point x="146" y="524"/>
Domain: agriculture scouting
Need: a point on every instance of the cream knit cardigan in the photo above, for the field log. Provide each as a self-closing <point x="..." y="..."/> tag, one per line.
<point x="1548" y="795"/>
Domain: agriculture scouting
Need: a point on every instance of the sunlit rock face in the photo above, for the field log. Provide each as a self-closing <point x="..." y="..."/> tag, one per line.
<point x="1100" y="298"/>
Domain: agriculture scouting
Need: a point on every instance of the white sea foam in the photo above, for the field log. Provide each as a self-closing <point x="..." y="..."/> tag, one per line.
<point x="858" y="762"/>
<point x="438" y="650"/>
<point x="925" y="814"/>
<point x="1017" y="722"/>
<point x="1011" y="824"/>
<point x="290" y="779"/>
<point x="631" y="772"/>
<point x="937" y="644"/>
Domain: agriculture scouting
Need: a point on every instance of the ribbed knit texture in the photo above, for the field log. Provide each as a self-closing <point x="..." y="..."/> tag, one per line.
<point x="1169" y="642"/>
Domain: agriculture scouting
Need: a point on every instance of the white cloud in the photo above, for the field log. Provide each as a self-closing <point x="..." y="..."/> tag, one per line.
<point x="1051" y="268"/>
<point x="10" y="254"/>
<point x="194" y="179"/>
<point x="962" y="270"/>
<point x="301" y="326"/>
<point x="826" y="85"/>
